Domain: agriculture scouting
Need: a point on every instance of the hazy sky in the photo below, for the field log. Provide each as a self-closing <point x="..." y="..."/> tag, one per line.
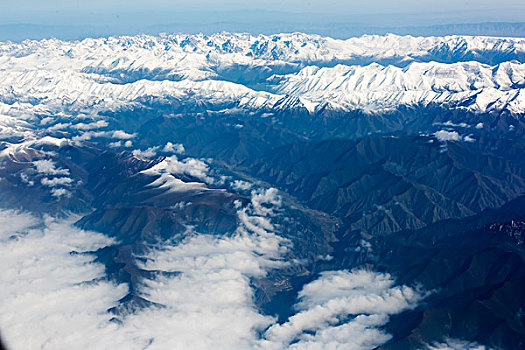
<point x="74" y="19"/>
<point x="29" y="11"/>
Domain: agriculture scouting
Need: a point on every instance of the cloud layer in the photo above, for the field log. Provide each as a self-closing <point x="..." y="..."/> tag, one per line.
<point x="55" y="297"/>
<point x="343" y="309"/>
<point x="51" y="298"/>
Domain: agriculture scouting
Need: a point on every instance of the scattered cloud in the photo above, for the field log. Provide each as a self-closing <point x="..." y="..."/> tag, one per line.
<point x="146" y="154"/>
<point x="174" y="148"/>
<point x="59" y="126"/>
<point x="241" y="185"/>
<point x="115" y="144"/>
<point x="48" y="167"/>
<point x="450" y="123"/>
<point x="188" y="166"/>
<point x="444" y="135"/>
<point x="173" y="184"/>
<point x="117" y="134"/>
<point x="95" y="125"/>
<point x="51" y="141"/>
<point x="60" y="192"/>
<point x="453" y="344"/>
<point x="25" y="179"/>
<point x="343" y="309"/>
<point x="88" y="135"/>
<point x="56" y="181"/>
<point x="265" y="202"/>
<point x="46" y="120"/>
<point x="122" y="135"/>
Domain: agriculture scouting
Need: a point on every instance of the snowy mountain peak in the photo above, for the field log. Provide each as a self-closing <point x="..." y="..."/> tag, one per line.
<point x="283" y="72"/>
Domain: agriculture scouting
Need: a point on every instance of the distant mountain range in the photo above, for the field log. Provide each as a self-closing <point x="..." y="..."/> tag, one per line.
<point x="269" y="73"/>
<point x="337" y="28"/>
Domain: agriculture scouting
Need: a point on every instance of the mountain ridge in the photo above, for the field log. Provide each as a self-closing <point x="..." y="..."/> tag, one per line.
<point x="288" y="71"/>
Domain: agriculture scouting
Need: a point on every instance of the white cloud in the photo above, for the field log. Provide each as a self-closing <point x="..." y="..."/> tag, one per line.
<point x="455" y="344"/>
<point x="122" y="135"/>
<point x="115" y="144"/>
<point x="326" y="303"/>
<point x="265" y="202"/>
<point x="211" y="301"/>
<point x="46" y="120"/>
<point x="95" y="125"/>
<point x="51" y="141"/>
<point x="461" y="125"/>
<point x="59" y="126"/>
<point x="25" y="179"/>
<point x="51" y="299"/>
<point x="47" y="166"/>
<point x="117" y="134"/>
<point x="173" y="148"/>
<point x="148" y="153"/>
<point x="62" y="299"/>
<point x="360" y="333"/>
<point x="241" y="185"/>
<point x="13" y="222"/>
<point x="60" y="192"/>
<point x="88" y="135"/>
<point x="56" y="181"/>
<point x="444" y="135"/>
<point x="209" y="304"/>
<point x="208" y="301"/>
<point x="189" y="166"/>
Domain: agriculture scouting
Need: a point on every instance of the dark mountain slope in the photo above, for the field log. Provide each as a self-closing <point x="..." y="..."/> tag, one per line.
<point x="387" y="184"/>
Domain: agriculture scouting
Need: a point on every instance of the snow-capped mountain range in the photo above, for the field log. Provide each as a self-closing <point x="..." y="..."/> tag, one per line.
<point x="272" y="192"/>
<point x="287" y="71"/>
